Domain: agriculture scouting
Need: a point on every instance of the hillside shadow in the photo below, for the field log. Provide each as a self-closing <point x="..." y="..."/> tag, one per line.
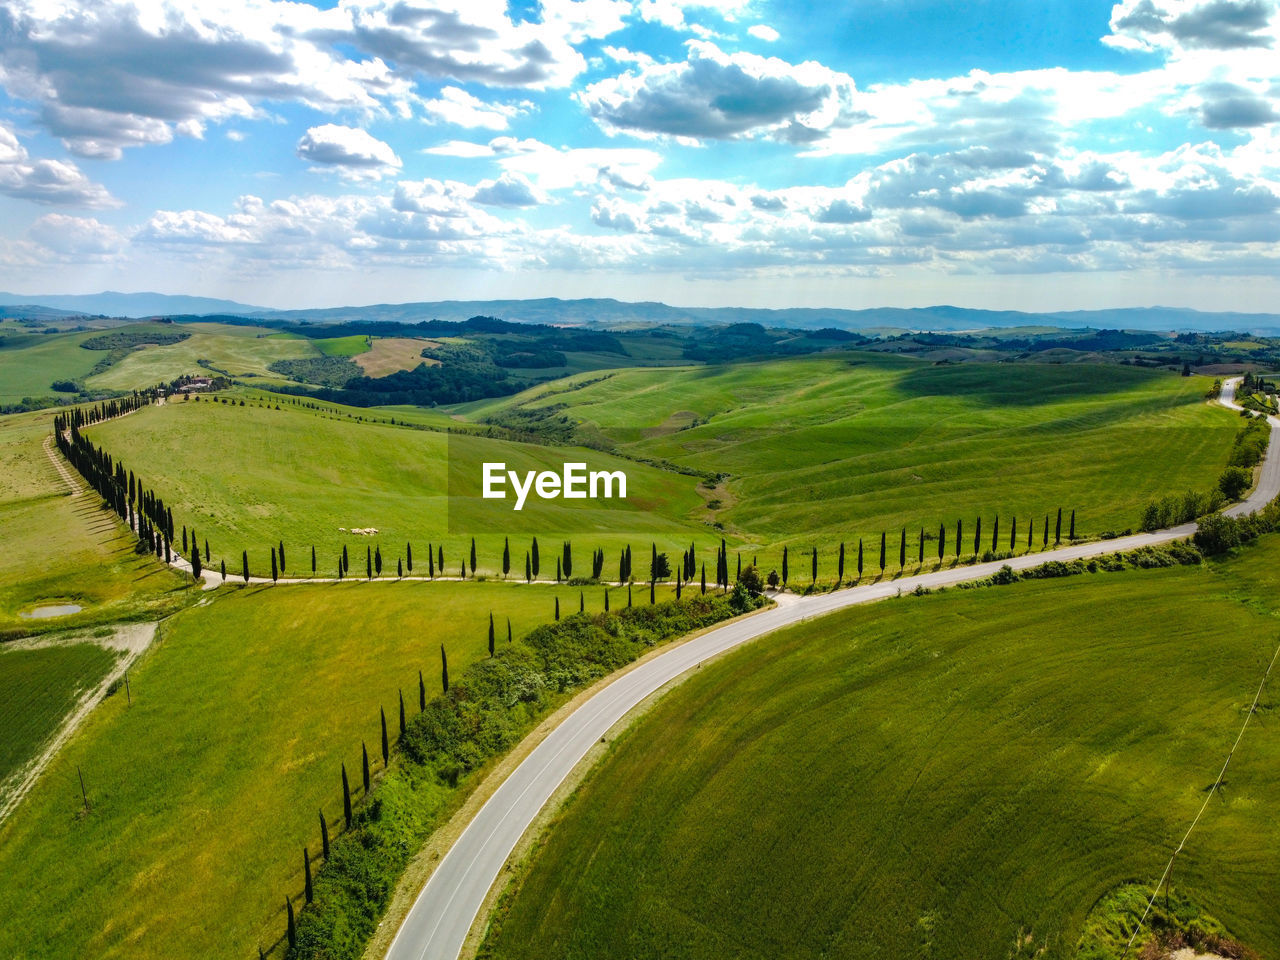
<point x="1023" y="384"/>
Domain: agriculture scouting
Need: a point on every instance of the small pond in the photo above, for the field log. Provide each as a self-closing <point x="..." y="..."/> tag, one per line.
<point x="56" y="610"/>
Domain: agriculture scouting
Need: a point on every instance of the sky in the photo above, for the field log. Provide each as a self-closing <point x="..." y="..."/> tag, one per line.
<point x="1062" y="154"/>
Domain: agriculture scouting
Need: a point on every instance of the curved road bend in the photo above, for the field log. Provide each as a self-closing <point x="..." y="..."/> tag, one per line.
<point x="440" y="918"/>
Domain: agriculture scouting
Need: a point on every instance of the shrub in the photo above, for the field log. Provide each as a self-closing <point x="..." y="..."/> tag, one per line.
<point x="1234" y="482"/>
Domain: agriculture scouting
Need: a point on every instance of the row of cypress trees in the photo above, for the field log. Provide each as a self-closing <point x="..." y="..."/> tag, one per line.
<point x="941" y="539"/>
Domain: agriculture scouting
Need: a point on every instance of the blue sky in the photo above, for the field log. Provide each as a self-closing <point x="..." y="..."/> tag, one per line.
<point x="1004" y="154"/>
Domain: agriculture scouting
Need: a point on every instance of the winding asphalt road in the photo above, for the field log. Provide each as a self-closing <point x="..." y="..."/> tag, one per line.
<point x="437" y="924"/>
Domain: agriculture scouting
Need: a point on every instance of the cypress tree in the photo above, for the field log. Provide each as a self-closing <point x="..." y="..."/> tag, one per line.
<point x="346" y="796"/>
<point x="206" y="551"/>
<point x="902" y="550"/>
<point x="1046" y="530"/>
<point x="653" y="561"/>
<point x="508" y="629"/>
<point x="169" y="559"/>
<point x="195" y="565"/>
<point x="557" y="608"/>
<point x="704" y="585"/>
<point x="440" y="559"/>
<point x="740" y="565"/>
<point x="704" y="575"/>
<point x="959" y="535"/>
<point x="473" y="556"/>
<point x="244" y="557"/>
<point x="679" y="585"/>
<point x="377" y="560"/>
<point x="622" y="567"/>
<point x="839" y="566"/>
<point x="568" y="560"/>
<point x="606" y="599"/>
<point x="224" y="569"/>
<point x="368" y="563"/>
<point x="629" y="561"/>
<point x="346" y="564"/>
<point x="859" y="558"/>
<point x="784" y="571"/>
<point x="1031" y="529"/>
<point x="324" y="835"/>
<point x="942" y="540"/>
<point x="313" y="560"/>
<point x="291" y="931"/>
<point x="920" y="560"/>
<point x="995" y="532"/>
<point x="431" y="563"/>
<point x="534" y="556"/>
<point x="491" y="633"/>
<point x="402" y="723"/>
<point x="882" y="555"/>
<point x="528" y="569"/>
<point x="558" y="568"/>
<point x="306" y="872"/>
<point x="282" y="556"/>
<point x="1013" y="533"/>
<point x="977" y="536"/>
<point x="184" y="538"/>
<point x="1057" y="530"/>
<point x="340" y="570"/>
<point x="422" y="693"/>
<point x="462" y="571"/>
<point x="364" y="753"/>
<point x="652" y="599"/>
<point x="582" y="602"/>
<point x="506" y="557"/>
<point x="386" y="745"/>
<point x="1072" y="534"/>
<point x="814" y="566"/>
<point x="399" y="569"/>
<point x="408" y="556"/>
<point x="444" y="669"/>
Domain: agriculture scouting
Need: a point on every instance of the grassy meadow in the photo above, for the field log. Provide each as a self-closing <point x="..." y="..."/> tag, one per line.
<point x="64" y="548"/>
<point x="206" y="788"/>
<point x="30" y="362"/>
<point x="847" y="446"/>
<point x="291" y="474"/>
<point x="242" y="352"/>
<point x="957" y="775"/>
<point x="38" y="686"/>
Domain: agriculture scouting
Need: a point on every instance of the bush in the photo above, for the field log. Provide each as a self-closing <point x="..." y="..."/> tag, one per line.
<point x="751" y="580"/>
<point x="1234" y="482"/>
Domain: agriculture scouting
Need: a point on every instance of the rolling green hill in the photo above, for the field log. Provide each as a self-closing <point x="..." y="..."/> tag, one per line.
<point x="206" y="787"/>
<point x="301" y="476"/>
<point x="817" y="448"/>
<point x="958" y="775"/>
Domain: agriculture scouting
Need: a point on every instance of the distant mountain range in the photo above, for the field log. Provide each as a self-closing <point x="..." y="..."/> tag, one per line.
<point x="616" y="312"/>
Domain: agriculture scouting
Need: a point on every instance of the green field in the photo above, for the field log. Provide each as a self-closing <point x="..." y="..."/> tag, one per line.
<point x="342" y="346"/>
<point x="240" y="352"/>
<point x="817" y="447"/>
<point x="60" y="548"/>
<point x="30" y="362"/>
<point x="956" y="775"/>
<point x="37" y="688"/>
<point x="205" y="789"/>
<point x="290" y="474"/>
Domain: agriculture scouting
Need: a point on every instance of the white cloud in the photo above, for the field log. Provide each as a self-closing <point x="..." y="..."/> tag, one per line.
<point x="75" y="237"/>
<point x="107" y="75"/>
<point x="456" y="106"/>
<point x="50" y="182"/>
<point x="353" y="152"/>
<point x="763" y="32"/>
<point x="718" y="95"/>
<point x="509" y="190"/>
